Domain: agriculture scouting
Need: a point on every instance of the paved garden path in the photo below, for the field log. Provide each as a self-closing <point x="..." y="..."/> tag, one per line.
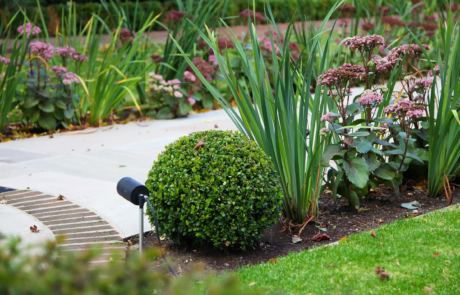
<point x="85" y="167"/>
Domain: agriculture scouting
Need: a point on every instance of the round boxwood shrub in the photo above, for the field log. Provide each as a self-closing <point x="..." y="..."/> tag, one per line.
<point x="223" y="192"/>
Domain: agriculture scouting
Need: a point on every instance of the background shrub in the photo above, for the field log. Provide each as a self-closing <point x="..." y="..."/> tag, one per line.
<point x="225" y="192"/>
<point x="73" y="273"/>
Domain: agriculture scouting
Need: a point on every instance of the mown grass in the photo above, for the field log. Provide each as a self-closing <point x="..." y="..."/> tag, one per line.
<point x="416" y="253"/>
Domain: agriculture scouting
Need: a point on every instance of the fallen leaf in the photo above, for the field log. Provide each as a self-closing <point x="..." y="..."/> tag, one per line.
<point x="28" y="187"/>
<point x="377" y="269"/>
<point x="198" y="145"/>
<point x="306" y="247"/>
<point x="227" y="243"/>
<point x="436" y="254"/>
<point x="34" y="229"/>
<point x="427" y="290"/>
<point x="397" y="261"/>
<point x="129" y="242"/>
<point x="329" y="265"/>
<point x="380" y="220"/>
<point x="60" y="198"/>
<point x="273" y="260"/>
<point x="295" y="239"/>
<point x="383" y="275"/>
<point x="155" y="244"/>
<point x="440" y="223"/>
<point x="373" y="234"/>
<point x="415" y="214"/>
<point x="215" y="126"/>
<point x="447" y="261"/>
<point x="320" y="237"/>
<point x="252" y="284"/>
<point x="343" y="239"/>
<point x="381" y="244"/>
<point x="362" y="210"/>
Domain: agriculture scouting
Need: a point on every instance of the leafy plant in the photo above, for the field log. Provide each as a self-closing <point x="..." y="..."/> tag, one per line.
<point x="214" y="187"/>
<point x="444" y="124"/>
<point x="52" y="271"/>
<point x="282" y="118"/>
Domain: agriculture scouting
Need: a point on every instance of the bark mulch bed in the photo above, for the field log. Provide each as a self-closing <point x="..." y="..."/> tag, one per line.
<point x="381" y="206"/>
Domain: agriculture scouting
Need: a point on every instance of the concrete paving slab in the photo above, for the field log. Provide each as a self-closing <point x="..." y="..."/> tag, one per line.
<point x="8" y="155"/>
<point x="17" y="223"/>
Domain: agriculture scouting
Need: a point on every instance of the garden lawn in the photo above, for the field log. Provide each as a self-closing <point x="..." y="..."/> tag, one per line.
<point x="416" y="253"/>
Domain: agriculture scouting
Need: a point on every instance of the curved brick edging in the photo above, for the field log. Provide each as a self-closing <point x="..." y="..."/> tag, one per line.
<point x="81" y="227"/>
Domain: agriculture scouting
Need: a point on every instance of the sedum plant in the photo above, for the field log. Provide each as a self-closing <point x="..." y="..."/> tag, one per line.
<point x="214" y="187"/>
<point x="372" y="145"/>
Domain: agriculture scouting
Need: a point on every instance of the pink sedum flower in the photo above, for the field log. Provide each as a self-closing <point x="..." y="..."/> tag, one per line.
<point x="190" y="77"/>
<point x="59" y="70"/>
<point x="327" y="117"/>
<point x="192" y="101"/>
<point x="42" y="49"/>
<point x="370" y="98"/>
<point x="156" y="76"/>
<point x="29" y="29"/>
<point x="79" y="57"/>
<point x="65" y="51"/>
<point x="178" y="94"/>
<point x="69" y="78"/>
<point x="175" y="83"/>
<point x="5" y="60"/>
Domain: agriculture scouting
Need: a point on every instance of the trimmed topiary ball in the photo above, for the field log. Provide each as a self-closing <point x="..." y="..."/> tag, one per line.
<point x="214" y="187"/>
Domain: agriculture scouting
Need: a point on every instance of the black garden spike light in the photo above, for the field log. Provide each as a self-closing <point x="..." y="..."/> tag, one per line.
<point x="137" y="193"/>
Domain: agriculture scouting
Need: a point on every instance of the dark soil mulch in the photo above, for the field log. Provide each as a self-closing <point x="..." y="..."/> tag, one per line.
<point x="382" y="206"/>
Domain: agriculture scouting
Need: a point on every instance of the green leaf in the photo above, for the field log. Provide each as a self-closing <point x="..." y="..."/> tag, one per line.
<point x="31" y="102"/>
<point x="68" y="113"/>
<point x="44" y="93"/>
<point x="184" y="107"/>
<point x="47" y="121"/>
<point x="372" y="162"/>
<point x="394" y="152"/>
<point x="358" y="133"/>
<point x="330" y="151"/>
<point x="352" y="108"/>
<point x="60" y="104"/>
<point x="382" y="121"/>
<point x="384" y="143"/>
<point x="362" y="146"/>
<point x="354" y="199"/>
<point x="357" y="171"/>
<point x="207" y="101"/>
<point x="385" y="171"/>
<point x="165" y="113"/>
<point x="35" y="115"/>
<point x="46" y="106"/>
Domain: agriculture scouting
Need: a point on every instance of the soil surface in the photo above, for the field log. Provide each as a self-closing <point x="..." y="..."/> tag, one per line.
<point x="337" y="220"/>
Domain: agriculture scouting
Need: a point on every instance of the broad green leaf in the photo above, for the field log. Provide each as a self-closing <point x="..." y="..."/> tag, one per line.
<point x="60" y="104"/>
<point x="165" y="113"/>
<point x="47" y="121"/>
<point x="68" y="113"/>
<point x="384" y="143"/>
<point x="358" y="134"/>
<point x="352" y="108"/>
<point x="35" y="115"/>
<point x="330" y="151"/>
<point x="357" y="171"/>
<point x="371" y="160"/>
<point x="385" y="171"/>
<point x="47" y="106"/>
<point x="31" y="102"/>
<point x="354" y="199"/>
<point x="362" y="146"/>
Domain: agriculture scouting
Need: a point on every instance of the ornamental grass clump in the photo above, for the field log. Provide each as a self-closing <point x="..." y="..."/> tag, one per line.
<point x="214" y="187"/>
